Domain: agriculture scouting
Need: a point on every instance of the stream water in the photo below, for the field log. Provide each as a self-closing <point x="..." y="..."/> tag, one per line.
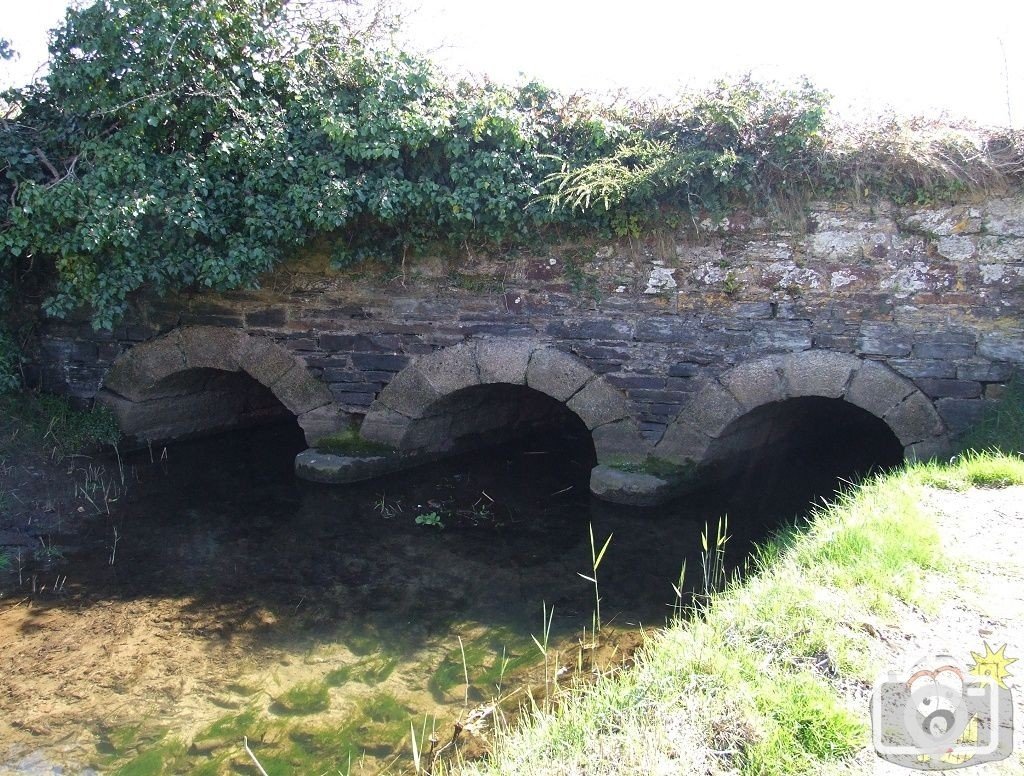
<point x="222" y="598"/>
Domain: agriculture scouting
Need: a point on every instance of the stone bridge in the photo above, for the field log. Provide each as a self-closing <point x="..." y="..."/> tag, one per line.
<point x="687" y="347"/>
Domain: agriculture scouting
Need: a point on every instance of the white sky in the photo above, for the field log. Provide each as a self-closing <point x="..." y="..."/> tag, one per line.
<point x="928" y="56"/>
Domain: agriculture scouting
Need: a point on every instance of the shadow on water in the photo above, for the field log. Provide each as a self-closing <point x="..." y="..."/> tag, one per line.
<point x="397" y="569"/>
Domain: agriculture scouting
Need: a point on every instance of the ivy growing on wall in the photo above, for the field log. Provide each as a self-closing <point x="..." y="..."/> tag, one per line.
<point x="197" y="143"/>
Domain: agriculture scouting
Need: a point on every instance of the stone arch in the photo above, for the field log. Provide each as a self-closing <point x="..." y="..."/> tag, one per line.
<point x="867" y="384"/>
<point x="408" y="413"/>
<point x="146" y="379"/>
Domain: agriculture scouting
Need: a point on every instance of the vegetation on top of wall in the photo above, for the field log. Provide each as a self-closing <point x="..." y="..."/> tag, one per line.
<point x="185" y="144"/>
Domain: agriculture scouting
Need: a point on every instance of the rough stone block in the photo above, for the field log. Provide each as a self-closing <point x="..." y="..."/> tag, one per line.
<point x="381" y="362"/>
<point x="712" y="409"/>
<point x="297" y="390"/>
<point x="211" y="347"/>
<point x="683" y="443"/>
<point x="954" y="389"/>
<point x="611" y="329"/>
<point x="921" y="367"/>
<point x="683" y="370"/>
<point x="145" y="365"/>
<point x="273" y="317"/>
<point x="957" y="247"/>
<point x="914" y="419"/>
<point x="265" y="361"/>
<point x="632" y="488"/>
<point x="929" y="449"/>
<point x="948" y="351"/>
<point x="783" y="335"/>
<point x="960" y="415"/>
<point x="410" y="393"/>
<point x="598" y="403"/>
<point x="504" y="361"/>
<point x="877" y="389"/>
<point x="557" y="374"/>
<point x="324" y="421"/>
<point x="667" y="329"/>
<point x="755" y="382"/>
<point x="620" y="439"/>
<point x="384" y="426"/>
<point x="819" y="373"/>
<point x="1005" y="217"/>
<point x="880" y="339"/>
<point x="984" y="371"/>
<point x="451" y="369"/>
<point x="1003" y="346"/>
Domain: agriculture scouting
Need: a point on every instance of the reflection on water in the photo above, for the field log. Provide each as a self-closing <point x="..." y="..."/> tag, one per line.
<point x="350" y="602"/>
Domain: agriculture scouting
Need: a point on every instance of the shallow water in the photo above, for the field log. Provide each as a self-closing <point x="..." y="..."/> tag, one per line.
<point x="320" y="621"/>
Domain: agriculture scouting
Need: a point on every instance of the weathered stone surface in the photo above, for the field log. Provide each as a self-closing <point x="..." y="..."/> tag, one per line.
<point x="324" y="421"/>
<point x="712" y="409"/>
<point x="504" y="361"/>
<point x="929" y="449"/>
<point x="877" y="389"/>
<point x="818" y="373"/>
<point x="410" y="393"/>
<point x="961" y="415"/>
<point x="557" y="374"/>
<point x="956" y="389"/>
<point x="634" y="489"/>
<point x="300" y="392"/>
<point x="1003" y="346"/>
<point x="173" y="417"/>
<point x="755" y="382"/>
<point x="384" y="426"/>
<point x="331" y="469"/>
<point x="984" y="371"/>
<point x="923" y="367"/>
<point x="914" y="420"/>
<point x="598" y="403"/>
<point x="882" y="339"/>
<point x="783" y="335"/>
<point x="212" y="347"/>
<point x="620" y="439"/>
<point x="957" y="247"/>
<point x="145" y="365"/>
<point x="1005" y="217"/>
<point x="451" y="369"/>
<point x="264" y="361"/>
<point x="682" y="443"/>
<point x="665" y="329"/>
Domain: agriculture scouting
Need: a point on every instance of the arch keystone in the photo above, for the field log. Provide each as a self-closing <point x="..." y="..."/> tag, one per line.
<point x="755" y="382"/>
<point x="818" y="373"/>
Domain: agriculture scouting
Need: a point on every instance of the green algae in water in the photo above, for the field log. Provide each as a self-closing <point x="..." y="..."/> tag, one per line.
<point x="371" y="671"/>
<point x="232" y="726"/>
<point x="306" y="698"/>
<point x="164" y="759"/>
<point x="486" y="659"/>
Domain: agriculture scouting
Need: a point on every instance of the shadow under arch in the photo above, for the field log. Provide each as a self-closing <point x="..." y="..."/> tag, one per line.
<point x="481" y="392"/>
<point x="198" y="380"/>
<point x="705" y="430"/>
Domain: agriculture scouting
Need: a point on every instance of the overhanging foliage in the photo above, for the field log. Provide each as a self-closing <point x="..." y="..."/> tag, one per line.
<point x="196" y="143"/>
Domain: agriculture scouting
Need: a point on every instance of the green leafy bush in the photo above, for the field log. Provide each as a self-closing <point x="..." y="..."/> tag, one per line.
<point x="10" y="361"/>
<point x="197" y="143"/>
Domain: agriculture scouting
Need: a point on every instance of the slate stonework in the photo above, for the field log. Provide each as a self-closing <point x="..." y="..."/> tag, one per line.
<point x="936" y="294"/>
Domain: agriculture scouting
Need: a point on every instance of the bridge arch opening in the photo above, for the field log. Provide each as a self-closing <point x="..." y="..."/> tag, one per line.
<point x="817" y="439"/>
<point x="486" y="392"/>
<point x="200" y="380"/>
<point x="495" y="414"/>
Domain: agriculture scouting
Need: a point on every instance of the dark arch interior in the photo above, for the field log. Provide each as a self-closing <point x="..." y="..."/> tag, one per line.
<point x="200" y="402"/>
<point x="489" y="415"/>
<point x="800" y="449"/>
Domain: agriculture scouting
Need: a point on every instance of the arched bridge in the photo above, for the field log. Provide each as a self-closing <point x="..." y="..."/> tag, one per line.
<point x="902" y="322"/>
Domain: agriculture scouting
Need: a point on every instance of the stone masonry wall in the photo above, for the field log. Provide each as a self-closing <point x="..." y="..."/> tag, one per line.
<point x="935" y="293"/>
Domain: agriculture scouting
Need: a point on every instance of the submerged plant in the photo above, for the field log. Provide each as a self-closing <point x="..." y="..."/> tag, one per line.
<point x="430" y="518"/>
